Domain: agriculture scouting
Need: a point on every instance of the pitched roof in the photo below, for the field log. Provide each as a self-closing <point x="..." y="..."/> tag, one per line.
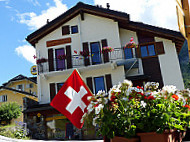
<point x="21" y="77"/>
<point x="18" y="91"/>
<point x="122" y="18"/>
<point x="79" y="8"/>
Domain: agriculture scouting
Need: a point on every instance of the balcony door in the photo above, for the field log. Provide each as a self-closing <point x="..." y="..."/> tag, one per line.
<point x="95" y="53"/>
<point x="60" y="59"/>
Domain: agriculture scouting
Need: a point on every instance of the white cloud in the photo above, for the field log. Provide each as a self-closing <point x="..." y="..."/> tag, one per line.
<point x="160" y="13"/>
<point x="34" y="21"/>
<point x="27" y="52"/>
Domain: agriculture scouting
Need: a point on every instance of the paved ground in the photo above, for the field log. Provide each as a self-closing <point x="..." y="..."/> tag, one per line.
<point x="5" y="139"/>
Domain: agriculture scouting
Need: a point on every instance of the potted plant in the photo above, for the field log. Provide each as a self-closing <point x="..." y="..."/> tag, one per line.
<point x="84" y="53"/>
<point x="42" y="60"/>
<point x="131" y="44"/>
<point x="107" y="49"/>
<point x="109" y="113"/>
<point x="147" y="112"/>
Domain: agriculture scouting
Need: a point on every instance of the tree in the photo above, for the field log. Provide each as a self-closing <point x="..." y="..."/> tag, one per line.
<point x="9" y="111"/>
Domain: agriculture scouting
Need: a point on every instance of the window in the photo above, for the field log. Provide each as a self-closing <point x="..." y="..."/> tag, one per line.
<point x="150" y="49"/>
<point x="147" y="50"/>
<point x="65" y="30"/>
<point x="99" y="84"/>
<point x="60" y="59"/>
<point x="29" y="85"/>
<point x="74" y="29"/>
<point x="95" y="53"/>
<point x="59" y="85"/>
<point x="20" y="87"/>
<point x="128" y="53"/>
<point x="3" y="98"/>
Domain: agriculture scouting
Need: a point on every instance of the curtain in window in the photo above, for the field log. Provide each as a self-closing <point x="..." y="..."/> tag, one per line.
<point x="95" y="53"/>
<point x="99" y="84"/>
<point x="60" y="61"/>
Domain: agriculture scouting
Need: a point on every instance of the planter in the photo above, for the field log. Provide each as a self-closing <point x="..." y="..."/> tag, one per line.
<point x="155" y="137"/>
<point x="122" y="139"/>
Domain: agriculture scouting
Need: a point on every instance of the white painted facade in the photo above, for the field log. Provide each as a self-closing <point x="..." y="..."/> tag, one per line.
<point x="94" y="29"/>
<point x="169" y="64"/>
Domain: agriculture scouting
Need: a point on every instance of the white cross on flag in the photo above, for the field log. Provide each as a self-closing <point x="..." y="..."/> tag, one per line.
<point x="71" y="100"/>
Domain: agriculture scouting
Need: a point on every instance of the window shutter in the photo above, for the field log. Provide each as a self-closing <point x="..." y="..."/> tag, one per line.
<point x="66" y="30"/>
<point x="69" y="57"/>
<point x="50" y="59"/>
<point x="1" y="98"/>
<point x="86" y="49"/>
<point x="52" y="91"/>
<point x="159" y="47"/>
<point x="89" y="83"/>
<point x="138" y="52"/>
<point x="105" y="55"/>
<point x="108" y="81"/>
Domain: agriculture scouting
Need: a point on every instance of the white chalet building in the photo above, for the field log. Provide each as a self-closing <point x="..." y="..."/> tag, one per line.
<point x="87" y="29"/>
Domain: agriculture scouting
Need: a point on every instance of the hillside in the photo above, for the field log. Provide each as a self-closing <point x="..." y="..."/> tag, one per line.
<point x="184" y="64"/>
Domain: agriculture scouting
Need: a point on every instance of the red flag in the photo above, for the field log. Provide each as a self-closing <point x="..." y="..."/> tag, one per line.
<point x="71" y="100"/>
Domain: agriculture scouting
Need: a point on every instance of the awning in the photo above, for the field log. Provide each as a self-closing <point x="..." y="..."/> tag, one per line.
<point x="128" y="63"/>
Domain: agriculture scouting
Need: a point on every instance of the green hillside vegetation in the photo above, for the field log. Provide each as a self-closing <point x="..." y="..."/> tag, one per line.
<point x="185" y="65"/>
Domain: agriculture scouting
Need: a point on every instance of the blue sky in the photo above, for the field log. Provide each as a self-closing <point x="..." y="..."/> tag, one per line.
<point x="19" y="18"/>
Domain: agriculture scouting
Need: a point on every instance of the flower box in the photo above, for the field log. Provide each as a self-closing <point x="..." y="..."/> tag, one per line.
<point x="123" y="139"/>
<point x="126" y="110"/>
<point x="42" y="60"/>
<point x="84" y="54"/>
<point x="107" y="49"/>
<point x="131" y="44"/>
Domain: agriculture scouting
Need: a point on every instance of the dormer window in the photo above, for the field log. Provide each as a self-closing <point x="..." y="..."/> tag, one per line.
<point x="74" y="29"/>
<point x="20" y="87"/>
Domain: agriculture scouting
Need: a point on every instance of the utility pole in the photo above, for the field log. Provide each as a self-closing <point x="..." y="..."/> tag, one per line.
<point x="183" y="15"/>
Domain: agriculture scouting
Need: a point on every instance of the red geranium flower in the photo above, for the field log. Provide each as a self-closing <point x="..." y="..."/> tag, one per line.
<point x="96" y="105"/>
<point x="151" y="98"/>
<point x="112" y="98"/>
<point x="175" y="97"/>
<point x="187" y="106"/>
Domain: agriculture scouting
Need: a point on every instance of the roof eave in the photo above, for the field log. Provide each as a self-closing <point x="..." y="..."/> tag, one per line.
<point x="49" y="27"/>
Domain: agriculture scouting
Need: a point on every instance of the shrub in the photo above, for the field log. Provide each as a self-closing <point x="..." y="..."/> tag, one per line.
<point x="9" y="111"/>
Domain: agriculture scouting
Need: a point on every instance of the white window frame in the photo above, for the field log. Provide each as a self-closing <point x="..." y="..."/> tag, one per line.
<point x="3" y="98"/>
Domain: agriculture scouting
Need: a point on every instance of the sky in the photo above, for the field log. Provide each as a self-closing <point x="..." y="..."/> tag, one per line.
<point x="19" y="18"/>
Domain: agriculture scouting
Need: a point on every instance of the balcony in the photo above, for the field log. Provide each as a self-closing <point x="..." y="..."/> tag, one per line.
<point x="119" y="55"/>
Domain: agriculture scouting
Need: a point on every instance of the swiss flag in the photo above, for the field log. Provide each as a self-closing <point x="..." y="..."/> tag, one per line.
<point x="71" y="100"/>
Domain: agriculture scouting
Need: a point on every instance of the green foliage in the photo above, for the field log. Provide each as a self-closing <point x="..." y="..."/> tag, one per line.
<point x="128" y="110"/>
<point x="12" y="132"/>
<point x="9" y="111"/>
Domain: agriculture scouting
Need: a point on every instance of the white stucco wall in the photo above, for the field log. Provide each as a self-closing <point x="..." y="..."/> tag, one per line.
<point x="117" y="75"/>
<point x="125" y="36"/>
<point x="169" y="64"/>
<point x="92" y="29"/>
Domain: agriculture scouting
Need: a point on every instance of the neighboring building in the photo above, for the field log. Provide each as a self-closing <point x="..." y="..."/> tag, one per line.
<point x="20" y="89"/>
<point x="89" y="28"/>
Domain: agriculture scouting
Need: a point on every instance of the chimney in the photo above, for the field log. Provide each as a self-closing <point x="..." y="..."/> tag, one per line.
<point x="108" y="5"/>
<point x="47" y="21"/>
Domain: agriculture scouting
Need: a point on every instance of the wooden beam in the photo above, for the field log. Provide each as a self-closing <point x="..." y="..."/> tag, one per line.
<point x="82" y="15"/>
